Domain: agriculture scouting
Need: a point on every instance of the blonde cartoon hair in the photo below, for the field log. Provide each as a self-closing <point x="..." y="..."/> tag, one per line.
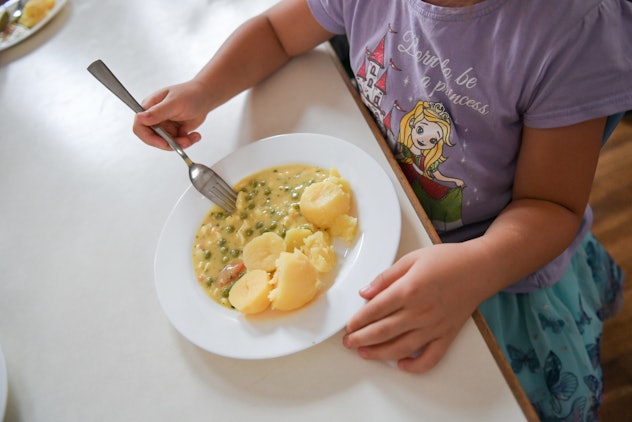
<point x="432" y="112"/>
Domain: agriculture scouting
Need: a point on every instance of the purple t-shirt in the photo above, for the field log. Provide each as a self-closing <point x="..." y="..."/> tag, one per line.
<point x="451" y="89"/>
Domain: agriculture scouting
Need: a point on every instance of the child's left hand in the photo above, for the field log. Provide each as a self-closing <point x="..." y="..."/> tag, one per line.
<point x="416" y="308"/>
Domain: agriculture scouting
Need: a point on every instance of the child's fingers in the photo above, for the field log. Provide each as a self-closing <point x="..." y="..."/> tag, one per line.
<point x="373" y="313"/>
<point x="187" y="140"/>
<point x="380" y="331"/>
<point x="378" y="284"/>
<point x="380" y="305"/>
<point x="427" y="359"/>
<point x="403" y="344"/>
<point x="148" y="136"/>
<point x="154" y="98"/>
<point x="160" y="107"/>
<point x="155" y="115"/>
<point x="192" y="138"/>
<point x="386" y="278"/>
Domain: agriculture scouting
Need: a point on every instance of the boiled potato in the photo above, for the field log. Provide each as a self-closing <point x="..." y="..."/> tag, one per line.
<point x="321" y="202"/>
<point x="294" y="238"/>
<point x="320" y="252"/>
<point x="250" y="293"/>
<point x="345" y="227"/>
<point x="334" y="176"/>
<point x="295" y="280"/>
<point x="262" y="251"/>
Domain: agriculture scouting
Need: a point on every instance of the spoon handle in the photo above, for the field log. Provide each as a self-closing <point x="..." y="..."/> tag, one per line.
<point x="99" y="70"/>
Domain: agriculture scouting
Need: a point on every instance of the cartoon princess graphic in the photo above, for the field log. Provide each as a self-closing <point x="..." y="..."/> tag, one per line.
<point x="423" y="133"/>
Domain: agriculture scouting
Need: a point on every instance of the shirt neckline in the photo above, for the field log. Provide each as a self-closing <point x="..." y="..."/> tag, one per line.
<point x="455" y="13"/>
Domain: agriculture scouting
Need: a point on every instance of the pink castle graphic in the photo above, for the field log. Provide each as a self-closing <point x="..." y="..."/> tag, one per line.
<point x="372" y="82"/>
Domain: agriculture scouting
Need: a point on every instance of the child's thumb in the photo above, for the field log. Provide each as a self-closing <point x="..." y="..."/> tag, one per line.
<point x="153" y="115"/>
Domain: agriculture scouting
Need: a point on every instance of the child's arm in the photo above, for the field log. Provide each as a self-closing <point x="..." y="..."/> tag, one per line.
<point x="427" y="296"/>
<point x="253" y="52"/>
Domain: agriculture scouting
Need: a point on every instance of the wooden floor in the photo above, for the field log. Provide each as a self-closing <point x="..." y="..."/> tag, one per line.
<point x="611" y="200"/>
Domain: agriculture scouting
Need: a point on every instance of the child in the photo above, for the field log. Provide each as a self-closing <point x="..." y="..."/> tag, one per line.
<point x="496" y="111"/>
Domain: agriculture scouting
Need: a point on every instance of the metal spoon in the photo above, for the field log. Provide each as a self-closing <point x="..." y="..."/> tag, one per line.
<point x="204" y="179"/>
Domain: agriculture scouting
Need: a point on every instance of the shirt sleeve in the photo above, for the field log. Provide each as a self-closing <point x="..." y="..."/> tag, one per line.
<point x="329" y="13"/>
<point x="588" y="72"/>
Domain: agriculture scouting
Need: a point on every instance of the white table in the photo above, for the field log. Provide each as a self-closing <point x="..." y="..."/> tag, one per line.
<point x="82" y="205"/>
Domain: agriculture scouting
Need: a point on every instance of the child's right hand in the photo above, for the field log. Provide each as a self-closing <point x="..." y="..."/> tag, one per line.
<point x="179" y="109"/>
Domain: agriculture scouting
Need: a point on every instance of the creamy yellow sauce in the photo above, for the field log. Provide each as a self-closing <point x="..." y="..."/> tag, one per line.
<point x="268" y="201"/>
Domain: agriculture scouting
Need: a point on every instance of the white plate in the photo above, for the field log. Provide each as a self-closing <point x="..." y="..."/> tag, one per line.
<point x="271" y="334"/>
<point x="21" y="33"/>
<point x="4" y="385"/>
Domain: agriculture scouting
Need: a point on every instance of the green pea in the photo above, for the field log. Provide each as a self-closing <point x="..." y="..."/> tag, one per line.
<point x="235" y="253"/>
<point x="230" y="229"/>
<point x="207" y="255"/>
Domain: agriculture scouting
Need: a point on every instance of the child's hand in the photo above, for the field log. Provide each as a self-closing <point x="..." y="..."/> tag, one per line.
<point x="416" y="308"/>
<point x="179" y="109"/>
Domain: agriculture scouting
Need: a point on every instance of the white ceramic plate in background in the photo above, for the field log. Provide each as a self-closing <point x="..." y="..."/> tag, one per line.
<point x="21" y="33"/>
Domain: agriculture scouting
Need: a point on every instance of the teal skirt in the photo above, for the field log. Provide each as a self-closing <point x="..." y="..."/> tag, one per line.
<point x="551" y="336"/>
